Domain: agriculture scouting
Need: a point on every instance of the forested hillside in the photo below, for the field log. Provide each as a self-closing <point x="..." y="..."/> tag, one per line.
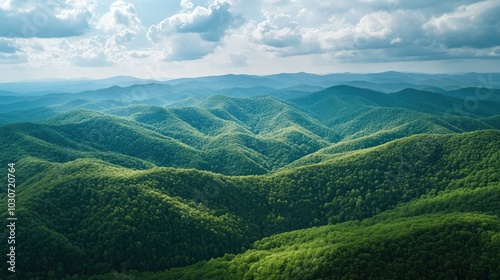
<point x="103" y="217"/>
<point x="226" y="178"/>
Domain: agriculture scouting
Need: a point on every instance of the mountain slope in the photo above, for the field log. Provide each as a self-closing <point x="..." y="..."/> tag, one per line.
<point x="190" y="215"/>
<point x="397" y="249"/>
<point x="178" y="137"/>
<point x="366" y="118"/>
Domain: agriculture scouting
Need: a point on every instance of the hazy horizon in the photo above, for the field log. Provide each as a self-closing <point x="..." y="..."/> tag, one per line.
<point x="83" y="78"/>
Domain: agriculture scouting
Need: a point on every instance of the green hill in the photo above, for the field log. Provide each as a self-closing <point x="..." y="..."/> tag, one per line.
<point x="438" y="246"/>
<point x="103" y="217"/>
<point x="342" y="104"/>
<point x="262" y="115"/>
<point x="178" y="137"/>
<point x="366" y="118"/>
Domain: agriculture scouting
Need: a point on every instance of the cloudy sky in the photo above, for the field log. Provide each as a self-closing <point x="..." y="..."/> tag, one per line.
<point x="161" y="39"/>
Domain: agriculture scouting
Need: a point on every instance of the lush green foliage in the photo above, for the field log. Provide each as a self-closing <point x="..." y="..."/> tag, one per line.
<point x="440" y="246"/>
<point x="154" y="219"/>
<point x="345" y="183"/>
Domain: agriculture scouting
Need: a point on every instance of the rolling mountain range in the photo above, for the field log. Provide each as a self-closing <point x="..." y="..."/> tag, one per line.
<point x="289" y="176"/>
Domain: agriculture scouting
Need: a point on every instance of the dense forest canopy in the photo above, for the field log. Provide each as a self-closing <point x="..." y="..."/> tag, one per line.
<point x="218" y="178"/>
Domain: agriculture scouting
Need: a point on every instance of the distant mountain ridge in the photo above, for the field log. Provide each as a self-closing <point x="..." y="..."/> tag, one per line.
<point x="385" y="81"/>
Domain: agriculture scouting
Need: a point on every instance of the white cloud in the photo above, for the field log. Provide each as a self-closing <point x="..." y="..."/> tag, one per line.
<point x="367" y="30"/>
<point x="92" y="60"/>
<point x="238" y="60"/>
<point x="192" y="34"/>
<point x="382" y="29"/>
<point x="90" y="52"/>
<point x="45" y="19"/>
<point x="476" y="25"/>
<point x="186" y="5"/>
<point x="121" y="21"/>
<point x="83" y="52"/>
<point x="278" y="31"/>
<point x="210" y="23"/>
<point x="187" y="47"/>
<point x="139" y="54"/>
<point x="115" y="28"/>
